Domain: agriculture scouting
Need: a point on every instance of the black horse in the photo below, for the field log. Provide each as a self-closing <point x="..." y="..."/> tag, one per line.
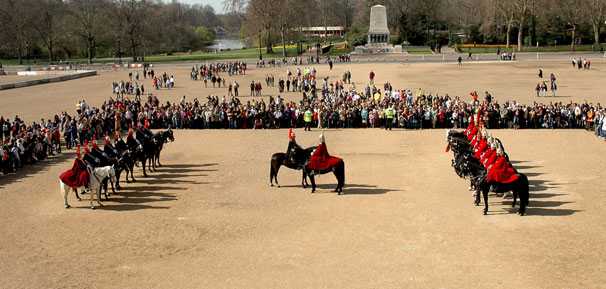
<point x="295" y="159"/>
<point x="160" y="139"/>
<point x="338" y="170"/>
<point x="127" y="159"/>
<point x="467" y="166"/>
<point x="519" y="188"/>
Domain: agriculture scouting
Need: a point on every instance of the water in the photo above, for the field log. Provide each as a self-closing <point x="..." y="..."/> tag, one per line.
<point x="223" y="44"/>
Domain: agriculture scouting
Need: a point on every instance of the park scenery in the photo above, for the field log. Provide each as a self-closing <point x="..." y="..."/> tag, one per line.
<point x="302" y="144"/>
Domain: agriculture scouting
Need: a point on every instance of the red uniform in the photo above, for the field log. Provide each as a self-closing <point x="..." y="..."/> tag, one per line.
<point x="472" y="133"/>
<point x="481" y="148"/>
<point x="502" y="172"/>
<point x="470" y="127"/>
<point x="489" y="157"/>
<point x="76" y="177"/>
<point x="320" y="159"/>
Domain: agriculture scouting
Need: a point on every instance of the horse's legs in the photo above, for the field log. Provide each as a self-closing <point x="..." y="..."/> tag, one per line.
<point x="304" y="179"/>
<point x="271" y="174"/>
<point x="312" y="179"/>
<point x="91" y="199"/>
<point x="477" y="197"/>
<point x="515" y="199"/>
<point x="118" y="173"/>
<point x="103" y="186"/>
<point x="65" y="191"/>
<point x="485" y="195"/>
<point x="132" y="170"/>
<point x="77" y="196"/>
<point x="143" y="165"/>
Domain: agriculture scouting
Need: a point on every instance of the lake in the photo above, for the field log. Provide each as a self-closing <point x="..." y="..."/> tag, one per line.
<point x="223" y="44"/>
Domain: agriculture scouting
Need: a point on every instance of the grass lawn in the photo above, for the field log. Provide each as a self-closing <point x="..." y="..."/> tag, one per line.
<point x="559" y="48"/>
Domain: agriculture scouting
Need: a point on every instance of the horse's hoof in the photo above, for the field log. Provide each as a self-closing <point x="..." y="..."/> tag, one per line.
<point x="278" y="186"/>
<point x="485" y="213"/>
<point x="67" y="206"/>
<point x="92" y="207"/>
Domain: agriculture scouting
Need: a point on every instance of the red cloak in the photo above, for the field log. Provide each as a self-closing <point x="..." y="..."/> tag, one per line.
<point x="76" y="177"/>
<point x="320" y="160"/>
<point x="502" y="172"/>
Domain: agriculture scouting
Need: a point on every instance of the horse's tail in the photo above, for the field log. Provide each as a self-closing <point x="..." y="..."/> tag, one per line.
<point x="274" y="166"/>
<point x="341" y="172"/>
<point x="271" y="171"/>
<point x="524" y="192"/>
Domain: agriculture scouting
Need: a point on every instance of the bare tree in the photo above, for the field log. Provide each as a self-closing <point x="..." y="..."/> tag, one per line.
<point x="596" y="10"/>
<point x="47" y="23"/>
<point x="88" y="17"/>
<point x="573" y="14"/>
<point x="15" y="18"/>
<point x="521" y="9"/>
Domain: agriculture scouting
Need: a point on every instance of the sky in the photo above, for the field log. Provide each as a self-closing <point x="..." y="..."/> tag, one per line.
<point x="216" y="4"/>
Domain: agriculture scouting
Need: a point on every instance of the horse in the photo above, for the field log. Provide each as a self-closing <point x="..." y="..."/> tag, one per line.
<point x="338" y="170"/>
<point x="281" y="159"/>
<point x="295" y="160"/>
<point x="161" y="138"/>
<point x="519" y="188"/>
<point x="96" y="178"/>
<point x="467" y="166"/>
<point x="128" y="161"/>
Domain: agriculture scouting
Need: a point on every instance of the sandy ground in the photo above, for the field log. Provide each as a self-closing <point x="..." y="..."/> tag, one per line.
<point x="506" y="81"/>
<point x="208" y="219"/>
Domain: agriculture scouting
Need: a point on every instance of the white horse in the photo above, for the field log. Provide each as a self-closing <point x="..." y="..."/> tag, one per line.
<point x="96" y="178"/>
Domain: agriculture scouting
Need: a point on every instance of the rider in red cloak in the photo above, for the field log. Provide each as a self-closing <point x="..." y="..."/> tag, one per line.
<point x="320" y="160"/>
<point x="501" y="172"/>
<point x="78" y="175"/>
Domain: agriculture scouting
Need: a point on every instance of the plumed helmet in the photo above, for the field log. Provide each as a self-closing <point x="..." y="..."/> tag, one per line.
<point x="291" y="134"/>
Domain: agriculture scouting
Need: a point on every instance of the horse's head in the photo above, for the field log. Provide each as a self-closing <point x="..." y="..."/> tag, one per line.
<point x="170" y="135"/>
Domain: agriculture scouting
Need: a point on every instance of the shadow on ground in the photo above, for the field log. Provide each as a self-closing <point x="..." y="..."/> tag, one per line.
<point x="155" y="188"/>
<point x="31" y="170"/>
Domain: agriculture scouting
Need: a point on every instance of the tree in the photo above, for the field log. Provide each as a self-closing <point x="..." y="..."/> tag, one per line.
<point x="47" y="23"/>
<point x="88" y="18"/>
<point x="573" y="15"/>
<point x="596" y="10"/>
<point x="15" y="18"/>
<point x="521" y="8"/>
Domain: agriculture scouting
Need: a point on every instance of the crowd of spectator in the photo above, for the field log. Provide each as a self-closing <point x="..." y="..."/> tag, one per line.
<point x="329" y="106"/>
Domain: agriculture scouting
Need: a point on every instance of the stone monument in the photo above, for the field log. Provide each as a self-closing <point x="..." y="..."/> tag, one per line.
<point x="378" y="32"/>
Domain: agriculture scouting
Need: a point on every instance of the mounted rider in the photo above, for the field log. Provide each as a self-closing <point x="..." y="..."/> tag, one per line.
<point x="320" y="159"/>
<point x="293" y="151"/>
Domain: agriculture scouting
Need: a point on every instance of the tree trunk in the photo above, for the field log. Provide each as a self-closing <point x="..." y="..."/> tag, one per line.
<point x="574" y="35"/>
<point x="133" y="48"/>
<point x="89" y="50"/>
<point x="51" y="56"/>
<point x="283" y="44"/>
<point x="520" y="35"/>
<point x="509" y="24"/>
<point x="269" y="47"/>
<point x="596" y="34"/>
<point x="20" y="52"/>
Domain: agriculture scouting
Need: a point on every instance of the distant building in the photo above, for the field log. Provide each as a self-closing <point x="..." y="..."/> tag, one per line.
<point x="323" y="31"/>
